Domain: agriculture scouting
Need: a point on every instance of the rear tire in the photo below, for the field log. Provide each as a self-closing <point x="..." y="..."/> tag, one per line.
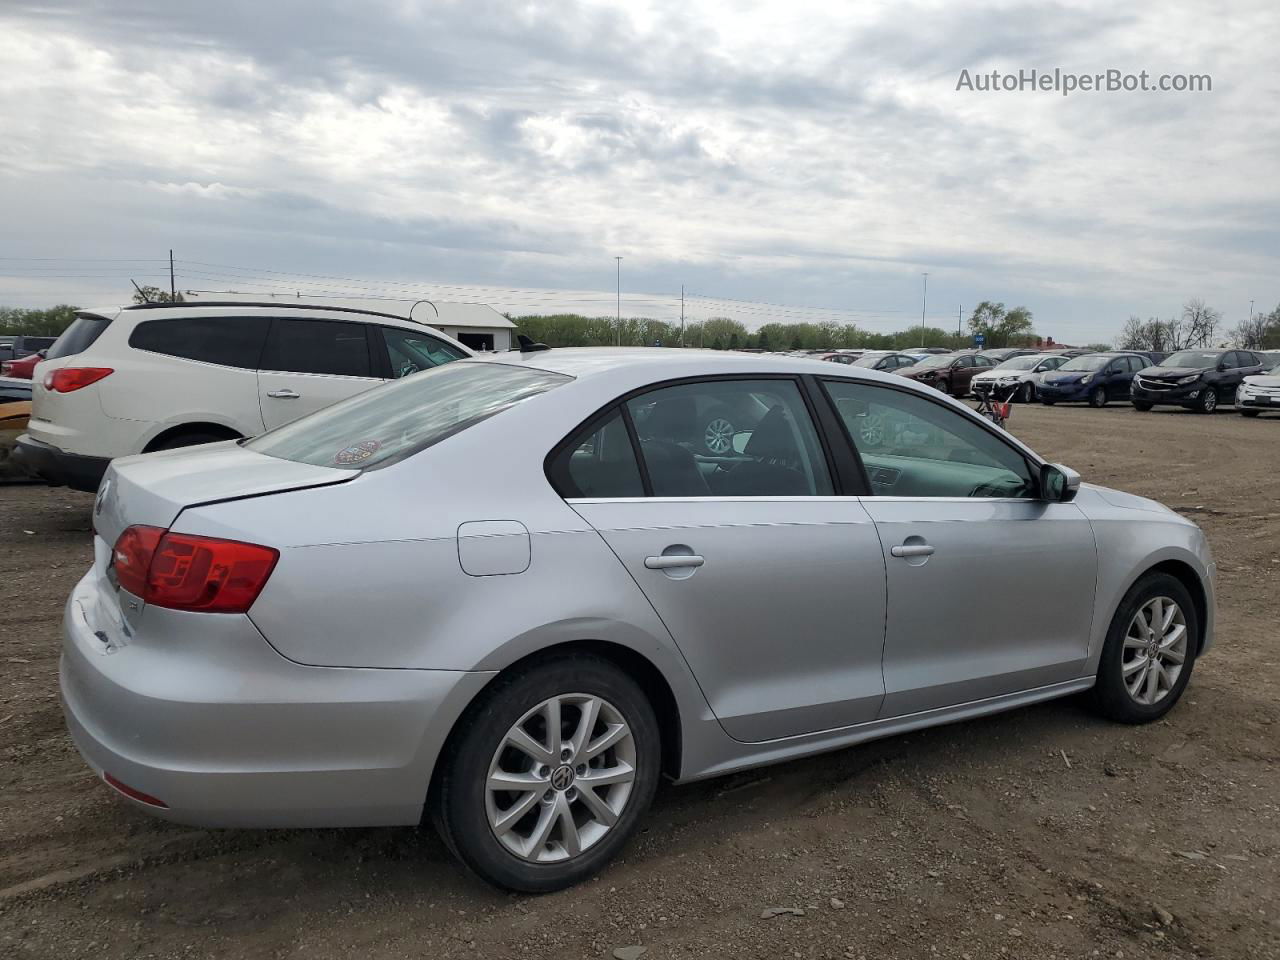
<point x="541" y="850"/>
<point x="1098" y="397"/>
<point x="1142" y="405"/>
<point x="1129" y="644"/>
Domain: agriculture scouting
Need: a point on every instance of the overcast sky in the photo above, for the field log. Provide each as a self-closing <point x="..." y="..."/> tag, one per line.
<point x="796" y="153"/>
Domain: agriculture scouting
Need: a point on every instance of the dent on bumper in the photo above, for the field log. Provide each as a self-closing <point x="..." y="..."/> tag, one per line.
<point x="198" y="711"/>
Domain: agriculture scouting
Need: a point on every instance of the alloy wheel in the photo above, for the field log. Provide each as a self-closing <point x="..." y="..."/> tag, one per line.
<point x="1155" y="650"/>
<point x="718" y="436"/>
<point x="1209" y="402"/>
<point x="872" y="430"/>
<point x="561" y="778"/>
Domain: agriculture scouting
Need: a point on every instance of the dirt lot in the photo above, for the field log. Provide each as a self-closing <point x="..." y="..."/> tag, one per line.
<point x="1043" y="833"/>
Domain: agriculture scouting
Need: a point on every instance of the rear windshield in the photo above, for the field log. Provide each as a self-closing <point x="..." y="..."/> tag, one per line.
<point x="392" y="422"/>
<point x="77" y="338"/>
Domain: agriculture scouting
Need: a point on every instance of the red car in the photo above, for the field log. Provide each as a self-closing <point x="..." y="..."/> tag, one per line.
<point x="23" y="368"/>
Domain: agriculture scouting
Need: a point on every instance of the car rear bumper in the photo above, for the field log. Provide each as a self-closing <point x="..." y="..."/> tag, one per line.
<point x="59" y="468"/>
<point x="222" y="731"/>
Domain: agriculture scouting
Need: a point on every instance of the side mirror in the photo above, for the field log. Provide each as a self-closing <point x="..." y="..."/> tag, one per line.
<point x="1058" y="484"/>
<point x="1222" y="367"/>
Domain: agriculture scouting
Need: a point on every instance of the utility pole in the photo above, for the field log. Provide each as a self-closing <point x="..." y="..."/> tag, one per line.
<point x="173" y="291"/>
<point x="682" y="314"/>
<point x="959" y="318"/>
<point x="924" y="300"/>
<point x="619" y="317"/>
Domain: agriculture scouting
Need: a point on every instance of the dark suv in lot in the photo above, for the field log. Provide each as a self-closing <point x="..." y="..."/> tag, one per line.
<point x="1094" y="377"/>
<point x="1195" y="379"/>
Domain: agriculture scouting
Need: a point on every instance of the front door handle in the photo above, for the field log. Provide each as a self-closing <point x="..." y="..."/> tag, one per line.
<point x="673" y="561"/>
<point x="285" y="394"/>
<point x="913" y="550"/>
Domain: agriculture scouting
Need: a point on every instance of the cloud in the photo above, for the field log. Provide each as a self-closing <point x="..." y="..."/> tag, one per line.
<point x="793" y="152"/>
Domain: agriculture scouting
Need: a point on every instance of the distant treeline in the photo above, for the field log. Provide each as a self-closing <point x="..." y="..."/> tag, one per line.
<point x="19" y="321"/>
<point x="724" y="333"/>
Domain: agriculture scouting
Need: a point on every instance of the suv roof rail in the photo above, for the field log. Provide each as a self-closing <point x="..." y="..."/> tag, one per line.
<point x="273" y="305"/>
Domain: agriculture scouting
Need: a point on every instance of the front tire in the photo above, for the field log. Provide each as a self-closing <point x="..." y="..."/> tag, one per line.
<point x="1098" y="397"/>
<point x="1249" y="413"/>
<point x="1142" y="405"/>
<point x="1149" y="652"/>
<point x="1208" y="401"/>
<point x="1027" y="394"/>
<point x="549" y="774"/>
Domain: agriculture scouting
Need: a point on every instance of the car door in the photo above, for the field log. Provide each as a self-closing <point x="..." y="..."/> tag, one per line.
<point x="770" y="579"/>
<point x="309" y="364"/>
<point x="1239" y="365"/>
<point x="990" y="589"/>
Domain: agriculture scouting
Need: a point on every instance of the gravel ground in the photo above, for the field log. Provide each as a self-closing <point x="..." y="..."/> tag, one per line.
<point x="1042" y="833"/>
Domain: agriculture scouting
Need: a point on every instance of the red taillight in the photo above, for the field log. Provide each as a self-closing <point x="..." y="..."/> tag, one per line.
<point x="6" y="369"/>
<point x="73" y="378"/>
<point x="133" y="794"/>
<point x="186" y="572"/>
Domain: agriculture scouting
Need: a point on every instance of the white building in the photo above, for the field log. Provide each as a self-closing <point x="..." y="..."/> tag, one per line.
<point x="476" y="325"/>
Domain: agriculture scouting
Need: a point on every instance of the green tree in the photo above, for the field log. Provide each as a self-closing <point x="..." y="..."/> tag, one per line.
<point x="148" y="294"/>
<point x="20" y="321"/>
<point x="1001" y="327"/>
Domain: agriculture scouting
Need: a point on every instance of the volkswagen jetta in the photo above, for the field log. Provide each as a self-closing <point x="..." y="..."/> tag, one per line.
<point x="512" y="593"/>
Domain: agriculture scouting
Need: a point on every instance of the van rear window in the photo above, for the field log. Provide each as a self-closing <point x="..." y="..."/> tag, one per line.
<point x="399" y="419"/>
<point x="77" y="338"/>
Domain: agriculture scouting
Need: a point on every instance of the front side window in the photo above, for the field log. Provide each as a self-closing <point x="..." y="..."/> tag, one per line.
<point x="730" y="438"/>
<point x="410" y="351"/>
<point x="228" y="341"/>
<point x="401" y="418"/>
<point x="914" y="447"/>
<point x="318" y="346"/>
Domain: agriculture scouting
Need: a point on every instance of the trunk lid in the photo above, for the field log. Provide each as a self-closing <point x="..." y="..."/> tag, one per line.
<point x="153" y="488"/>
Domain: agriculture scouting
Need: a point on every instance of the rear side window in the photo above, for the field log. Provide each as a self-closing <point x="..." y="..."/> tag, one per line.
<point x="599" y="461"/>
<point x="318" y="346"/>
<point x="400" y="419"/>
<point x="77" y="338"/>
<point x="229" y="341"/>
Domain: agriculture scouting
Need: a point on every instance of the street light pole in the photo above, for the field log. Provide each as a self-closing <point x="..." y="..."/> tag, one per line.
<point x="619" y="316"/>
<point x="924" y="300"/>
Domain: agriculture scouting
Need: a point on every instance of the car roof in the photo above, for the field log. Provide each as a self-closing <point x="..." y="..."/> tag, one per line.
<point x="149" y="311"/>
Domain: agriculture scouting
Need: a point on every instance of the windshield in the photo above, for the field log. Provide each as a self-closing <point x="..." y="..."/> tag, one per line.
<point x="938" y="360"/>
<point x="392" y="422"/>
<point x="1020" y="363"/>
<point x="1192" y="359"/>
<point x="1094" y="361"/>
<point x="869" y="360"/>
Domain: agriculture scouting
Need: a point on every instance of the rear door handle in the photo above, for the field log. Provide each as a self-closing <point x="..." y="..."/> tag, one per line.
<point x="285" y="394"/>
<point x="673" y="561"/>
<point x="912" y="550"/>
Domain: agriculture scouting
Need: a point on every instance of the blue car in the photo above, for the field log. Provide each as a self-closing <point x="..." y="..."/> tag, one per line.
<point x="1095" y="378"/>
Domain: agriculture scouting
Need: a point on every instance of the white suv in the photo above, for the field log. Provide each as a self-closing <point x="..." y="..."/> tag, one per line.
<point x="157" y="376"/>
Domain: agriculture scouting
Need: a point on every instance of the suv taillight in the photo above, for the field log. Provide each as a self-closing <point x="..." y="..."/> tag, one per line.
<point x="73" y="378"/>
<point x="185" y="572"/>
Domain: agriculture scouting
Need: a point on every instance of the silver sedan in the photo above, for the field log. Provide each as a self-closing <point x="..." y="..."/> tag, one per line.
<point x="513" y="592"/>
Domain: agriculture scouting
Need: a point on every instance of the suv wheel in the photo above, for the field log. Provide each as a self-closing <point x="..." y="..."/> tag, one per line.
<point x="1208" y="401"/>
<point x="1249" y="413"/>
<point x="550" y="775"/>
<point x="1142" y="405"/>
<point x="1149" y="652"/>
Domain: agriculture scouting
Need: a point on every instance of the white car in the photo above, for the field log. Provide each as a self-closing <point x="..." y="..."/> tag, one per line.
<point x="1259" y="392"/>
<point x="158" y="376"/>
<point x="1018" y="378"/>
